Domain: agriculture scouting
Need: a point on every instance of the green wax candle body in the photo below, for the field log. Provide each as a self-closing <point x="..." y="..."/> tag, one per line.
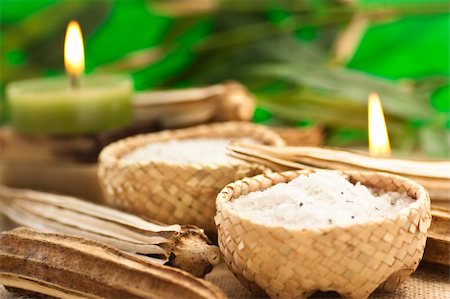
<point x="52" y="106"/>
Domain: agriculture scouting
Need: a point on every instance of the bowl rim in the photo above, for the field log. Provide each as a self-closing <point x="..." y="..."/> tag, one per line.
<point x="226" y="195"/>
<point x="110" y="156"/>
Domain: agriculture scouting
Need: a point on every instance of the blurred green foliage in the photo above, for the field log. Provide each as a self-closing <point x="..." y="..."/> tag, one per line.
<point x="284" y="51"/>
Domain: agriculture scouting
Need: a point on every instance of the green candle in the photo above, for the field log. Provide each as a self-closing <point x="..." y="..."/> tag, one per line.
<point x="53" y="106"/>
<point x="74" y="104"/>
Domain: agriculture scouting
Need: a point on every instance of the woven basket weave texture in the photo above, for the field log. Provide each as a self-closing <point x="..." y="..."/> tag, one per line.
<point x="172" y="192"/>
<point x="352" y="261"/>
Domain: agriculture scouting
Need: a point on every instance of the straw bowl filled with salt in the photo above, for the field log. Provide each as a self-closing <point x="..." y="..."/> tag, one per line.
<point x="294" y="233"/>
<point x="174" y="176"/>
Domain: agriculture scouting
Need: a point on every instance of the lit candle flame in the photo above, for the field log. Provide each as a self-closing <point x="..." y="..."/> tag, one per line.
<point x="378" y="135"/>
<point x="74" y="50"/>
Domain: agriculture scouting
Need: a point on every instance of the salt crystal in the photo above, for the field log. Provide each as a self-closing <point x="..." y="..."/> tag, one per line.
<point x="319" y="200"/>
<point x="186" y="151"/>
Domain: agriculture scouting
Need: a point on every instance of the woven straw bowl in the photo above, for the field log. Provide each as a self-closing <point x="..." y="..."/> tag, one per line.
<point x="171" y="192"/>
<point x="352" y="261"/>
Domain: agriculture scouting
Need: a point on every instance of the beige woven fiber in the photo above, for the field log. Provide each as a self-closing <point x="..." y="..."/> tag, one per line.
<point x="170" y="192"/>
<point x="294" y="136"/>
<point x="352" y="260"/>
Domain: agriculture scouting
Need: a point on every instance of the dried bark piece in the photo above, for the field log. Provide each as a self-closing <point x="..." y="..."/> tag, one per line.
<point x="72" y="267"/>
<point x="171" y="109"/>
<point x="185" y="247"/>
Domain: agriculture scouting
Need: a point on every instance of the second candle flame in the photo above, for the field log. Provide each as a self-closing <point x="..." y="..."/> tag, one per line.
<point x="74" y="50"/>
<point x="378" y="136"/>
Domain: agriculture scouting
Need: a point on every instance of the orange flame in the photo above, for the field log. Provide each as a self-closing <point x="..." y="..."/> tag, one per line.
<point x="378" y="136"/>
<point x="74" y="50"/>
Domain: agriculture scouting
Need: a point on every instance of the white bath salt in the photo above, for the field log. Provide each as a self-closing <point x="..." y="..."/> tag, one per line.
<point x="186" y="151"/>
<point x="318" y="200"/>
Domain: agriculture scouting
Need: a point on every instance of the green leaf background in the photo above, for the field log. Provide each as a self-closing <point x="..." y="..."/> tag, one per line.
<point x="280" y="49"/>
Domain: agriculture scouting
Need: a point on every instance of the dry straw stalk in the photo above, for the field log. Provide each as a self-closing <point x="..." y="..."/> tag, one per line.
<point x="352" y="260"/>
<point x="184" y="247"/>
<point x="176" y="193"/>
<point x="71" y="267"/>
<point x="434" y="175"/>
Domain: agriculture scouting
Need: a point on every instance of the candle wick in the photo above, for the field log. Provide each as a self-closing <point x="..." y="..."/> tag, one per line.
<point x="74" y="81"/>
